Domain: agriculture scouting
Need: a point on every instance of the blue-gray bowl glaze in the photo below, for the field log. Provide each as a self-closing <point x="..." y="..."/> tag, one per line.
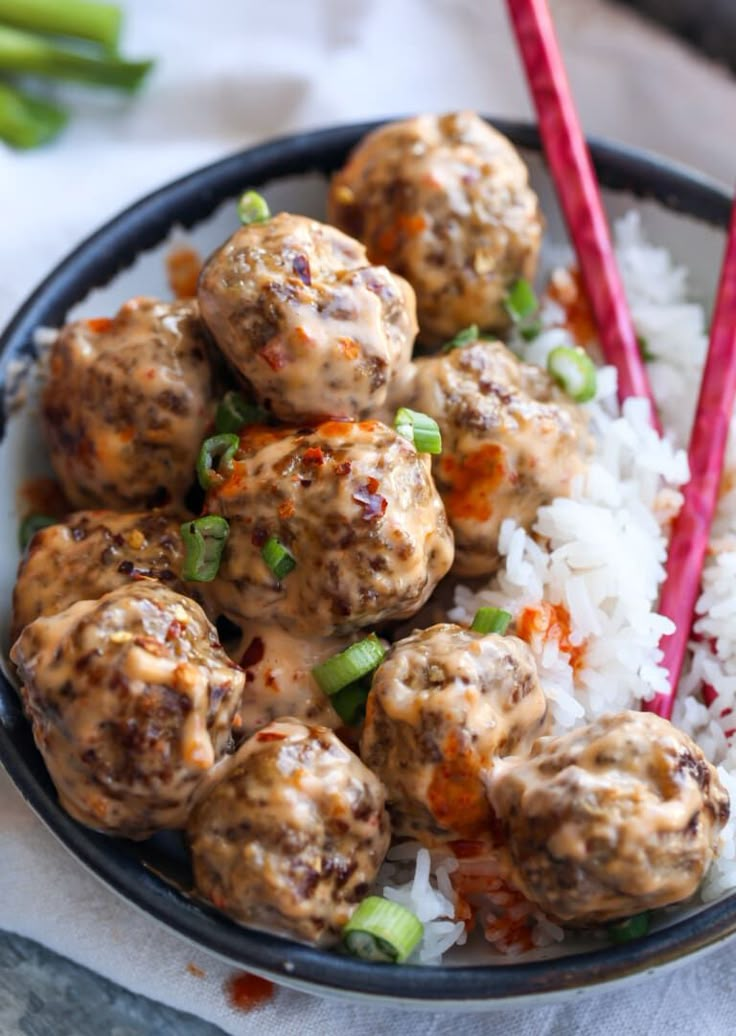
<point x="134" y="869"/>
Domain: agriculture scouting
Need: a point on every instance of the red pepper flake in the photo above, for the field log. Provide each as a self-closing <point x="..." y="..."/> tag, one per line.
<point x="374" y="505"/>
<point x="286" y="509"/>
<point x="174" y="630"/>
<point x="313" y="455"/>
<point x="344" y="468"/>
<point x="300" y="266"/>
<point x="269" y="735"/>
<point x="349" y="348"/>
<point x="709" y="694"/>
<point x="183" y="266"/>
<point x="246" y="991"/>
<point x="99" y="324"/>
<point x="274" y="354"/>
<point x="254" y="653"/>
<point x="729" y="733"/>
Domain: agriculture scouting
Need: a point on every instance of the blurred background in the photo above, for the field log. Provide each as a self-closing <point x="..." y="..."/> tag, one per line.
<point x="656" y="74"/>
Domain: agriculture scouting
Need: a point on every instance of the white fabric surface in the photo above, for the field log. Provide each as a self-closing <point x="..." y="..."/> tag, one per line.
<point x="231" y="72"/>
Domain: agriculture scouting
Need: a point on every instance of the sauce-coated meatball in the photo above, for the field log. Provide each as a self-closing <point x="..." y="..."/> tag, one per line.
<point x="444" y="705"/>
<point x="613" y="818"/>
<point x="300" y="313"/>
<point x="356" y="506"/>
<point x="444" y="201"/>
<point x="127" y="404"/>
<point x="131" y="699"/>
<point x="278" y="677"/>
<point x="91" y="553"/>
<point x="291" y="834"/>
<point x="511" y="441"/>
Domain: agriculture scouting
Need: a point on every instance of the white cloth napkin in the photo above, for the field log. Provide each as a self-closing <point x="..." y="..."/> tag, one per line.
<point x="230" y="72"/>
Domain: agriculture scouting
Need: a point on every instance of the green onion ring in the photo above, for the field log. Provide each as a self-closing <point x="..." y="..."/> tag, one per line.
<point x="204" y="541"/>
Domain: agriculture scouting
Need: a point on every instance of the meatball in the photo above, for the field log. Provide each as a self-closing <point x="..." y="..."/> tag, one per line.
<point x="355" y="505"/>
<point x="613" y="818"/>
<point x="300" y="313"/>
<point x="291" y="834"/>
<point x="91" y="553"/>
<point x="511" y="441"/>
<point x="444" y="201"/>
<point x="131" y="699"/>
<point x="127" y="404"/>
<point x="278" y="677"/>
<point x="444" y="705"/>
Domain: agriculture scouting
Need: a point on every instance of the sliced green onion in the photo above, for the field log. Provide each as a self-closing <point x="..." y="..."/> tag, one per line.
<point x="349" y="703"/>
<point x="521" y="301"/>
<point x="574" y="371"/>
<point x="644" y="351"/>
<point x="278" y="557"/>
<point x="382" y="931"/>
<point x="204" y="541"/>
<point x="462" y="338"/>
<point x="216" y="458"/>
<point x="349" y="665"/>
<point x="253" y="208"/>
<point x="421" y="429"/>
<point x="234" y="411"/>
<point x="491" y="620"/>
<point x="530" y="329"/>
<point x="632" y="928"/>
<point x="30" y="526"/>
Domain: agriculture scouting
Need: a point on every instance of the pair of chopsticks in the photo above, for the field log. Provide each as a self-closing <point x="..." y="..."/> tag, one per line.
<point x="579" y="196"/>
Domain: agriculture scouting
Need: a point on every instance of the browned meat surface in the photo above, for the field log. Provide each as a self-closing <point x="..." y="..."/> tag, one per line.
<point x="127" y="404"/>
<point x="91" y="553"/>
<point x="291" y="834"/>
<point x="616" y="817"/>
<point x="356" y="506"/>
<point x="131" y="699"/>
<point x="278" y="677"/>
<point x="445" y="202"/>
<point x="511" y="441"/>
<point x="444" y="705"/>
<point x="298" y="310"/>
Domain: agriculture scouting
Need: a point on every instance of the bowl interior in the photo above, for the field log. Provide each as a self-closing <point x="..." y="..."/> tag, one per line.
<point x="126" y="258"/>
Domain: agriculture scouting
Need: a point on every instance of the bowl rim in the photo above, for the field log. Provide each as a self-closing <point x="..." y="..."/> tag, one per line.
<point x="141" y="226"/>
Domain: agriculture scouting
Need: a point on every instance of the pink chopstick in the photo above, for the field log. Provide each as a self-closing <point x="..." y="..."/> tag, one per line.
<point x="708" y="441"/>
<point x="578" y="194"/>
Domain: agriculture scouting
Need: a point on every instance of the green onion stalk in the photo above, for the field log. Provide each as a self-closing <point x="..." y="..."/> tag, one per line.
<point x="22" y="53"/>
<point x="82" y="19"/>
<point x="26" y="121"/>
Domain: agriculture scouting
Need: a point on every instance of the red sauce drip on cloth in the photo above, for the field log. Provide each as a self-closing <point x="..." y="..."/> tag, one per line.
<point x="246" y="991"/>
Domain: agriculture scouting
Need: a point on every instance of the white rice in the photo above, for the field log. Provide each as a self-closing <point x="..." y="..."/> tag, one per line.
<point x="601" y="553"/>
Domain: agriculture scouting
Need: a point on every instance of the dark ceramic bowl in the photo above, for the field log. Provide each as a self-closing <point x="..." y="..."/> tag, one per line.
<point x="687" y="213"/>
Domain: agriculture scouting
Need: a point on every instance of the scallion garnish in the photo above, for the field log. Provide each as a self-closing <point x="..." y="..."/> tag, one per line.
<point x="215" y="458"/>
<point x="491" y="620"/>
<point x="521" y="302"/>
<point x="349" y="665"/>
<point x="462" y="338"/>
<point x="234" y="411"/>
<point x="253" y="208"/>
<point x="421" y="429"/>
<point x="30" y="526"/>
<point x="644" y="351"/>
<point x="631" y="928"/>
<point x="349" y="703"/>
<point x="278" y="557"/>
<point x="382" y="931"/>
<point x="574" y="371"/>
<point x="204" y="541"/>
